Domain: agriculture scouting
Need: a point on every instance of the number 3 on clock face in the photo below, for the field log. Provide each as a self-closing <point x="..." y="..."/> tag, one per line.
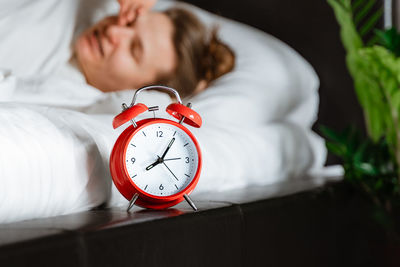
<point x="161" y="159"/>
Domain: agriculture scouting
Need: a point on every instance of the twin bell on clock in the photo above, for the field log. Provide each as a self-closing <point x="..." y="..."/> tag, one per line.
<point x="155" y="162"/>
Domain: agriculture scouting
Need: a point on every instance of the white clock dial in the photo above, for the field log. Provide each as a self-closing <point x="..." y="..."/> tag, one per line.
<point x="156" y="176"/>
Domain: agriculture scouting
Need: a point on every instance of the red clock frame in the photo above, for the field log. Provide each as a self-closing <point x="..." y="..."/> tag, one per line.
<point x="125" y="184"/>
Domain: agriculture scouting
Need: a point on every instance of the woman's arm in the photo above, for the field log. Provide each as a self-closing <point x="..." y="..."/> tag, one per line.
<point x="130" y="9"/>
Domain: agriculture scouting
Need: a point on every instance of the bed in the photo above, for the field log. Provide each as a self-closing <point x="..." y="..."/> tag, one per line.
<point x="59" y="128"/>
<point x="238" y="224"/>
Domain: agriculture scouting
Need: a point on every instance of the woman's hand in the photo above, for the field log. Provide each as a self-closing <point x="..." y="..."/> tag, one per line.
<point x="130" y="9"/>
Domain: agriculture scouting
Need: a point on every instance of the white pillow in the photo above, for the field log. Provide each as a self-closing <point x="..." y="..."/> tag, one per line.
<point x="270" y="82"/>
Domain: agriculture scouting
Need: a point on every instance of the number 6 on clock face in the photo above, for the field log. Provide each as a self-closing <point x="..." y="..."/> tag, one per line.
<point x="178" y="167"/>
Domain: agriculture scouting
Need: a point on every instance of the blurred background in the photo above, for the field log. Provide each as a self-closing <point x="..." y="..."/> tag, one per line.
<point x="311" y="29"/>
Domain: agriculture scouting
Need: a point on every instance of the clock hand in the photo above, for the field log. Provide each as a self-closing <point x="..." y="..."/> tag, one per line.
<point x="171" y="159"/>
<point x="166" y="151"/>
<point x="152" y="165"/>
<point x="158" y="161"/>
<point x="170" y="171"/>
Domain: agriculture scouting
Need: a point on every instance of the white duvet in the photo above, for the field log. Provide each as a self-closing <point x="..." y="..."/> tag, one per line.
<point x="56" y="134"/>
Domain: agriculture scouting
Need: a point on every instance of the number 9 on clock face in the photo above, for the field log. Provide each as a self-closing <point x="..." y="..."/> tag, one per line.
<point x="162" y="159"/>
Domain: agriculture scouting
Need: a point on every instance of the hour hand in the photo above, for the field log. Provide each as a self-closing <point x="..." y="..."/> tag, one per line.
<point x="153" y="164"/>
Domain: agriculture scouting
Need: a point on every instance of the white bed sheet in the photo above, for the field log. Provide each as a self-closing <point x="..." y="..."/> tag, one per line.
<point x="55" y="161"/>
<point x="56" y="134"/>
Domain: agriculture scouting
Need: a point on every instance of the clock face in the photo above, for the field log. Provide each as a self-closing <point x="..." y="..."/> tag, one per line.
<point x="161" y="159"/>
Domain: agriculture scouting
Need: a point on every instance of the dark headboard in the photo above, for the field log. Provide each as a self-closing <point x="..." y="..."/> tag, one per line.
<point x="311" y="29"/>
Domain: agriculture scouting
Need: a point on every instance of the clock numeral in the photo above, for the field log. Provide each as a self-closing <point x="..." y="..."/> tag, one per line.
<point x="133" y="160"/>
<point x="146" y="187"/>
<point x="187" y="159"/>
<point x="161" y="187"/>
<point x="186" y="144"/>
<point x="159" y="133"/>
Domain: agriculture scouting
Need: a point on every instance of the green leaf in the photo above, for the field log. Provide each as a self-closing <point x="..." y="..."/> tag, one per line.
<point x="332" y="135"/>
<point x="343" y="12"/>
<point x="372" y="163"/>
<point x="374" y="40"/>
<point x="336" y="149"/>
<point x="364" y="11"/>
<point x="356" y="5"/>
<point x="372" y="21"/>
<point x="359" y="155"/>
<point x="366" y="169"/>
<point x="396" y="100"/>
<point x="390" y="39"/>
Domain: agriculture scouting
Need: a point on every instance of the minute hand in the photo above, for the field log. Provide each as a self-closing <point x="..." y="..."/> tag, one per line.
<point x="169" y="146"/>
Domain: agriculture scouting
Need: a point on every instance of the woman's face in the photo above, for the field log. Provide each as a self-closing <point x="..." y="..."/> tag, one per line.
<point x="114" y="57"/>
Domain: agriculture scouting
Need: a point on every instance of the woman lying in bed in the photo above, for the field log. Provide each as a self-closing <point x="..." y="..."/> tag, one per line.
<point x="139" y="47"/>
<point x="55" y="129"/>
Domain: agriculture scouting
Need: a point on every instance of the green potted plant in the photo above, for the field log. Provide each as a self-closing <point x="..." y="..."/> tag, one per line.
<point x="371" y="162"/>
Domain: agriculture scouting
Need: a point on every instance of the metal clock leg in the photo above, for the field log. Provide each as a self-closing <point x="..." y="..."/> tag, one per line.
<point x="132" y="202"/>
<point x="187" y="198"/>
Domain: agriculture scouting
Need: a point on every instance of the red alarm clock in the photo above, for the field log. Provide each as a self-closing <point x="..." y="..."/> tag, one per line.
<point x="156" y="163"/>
